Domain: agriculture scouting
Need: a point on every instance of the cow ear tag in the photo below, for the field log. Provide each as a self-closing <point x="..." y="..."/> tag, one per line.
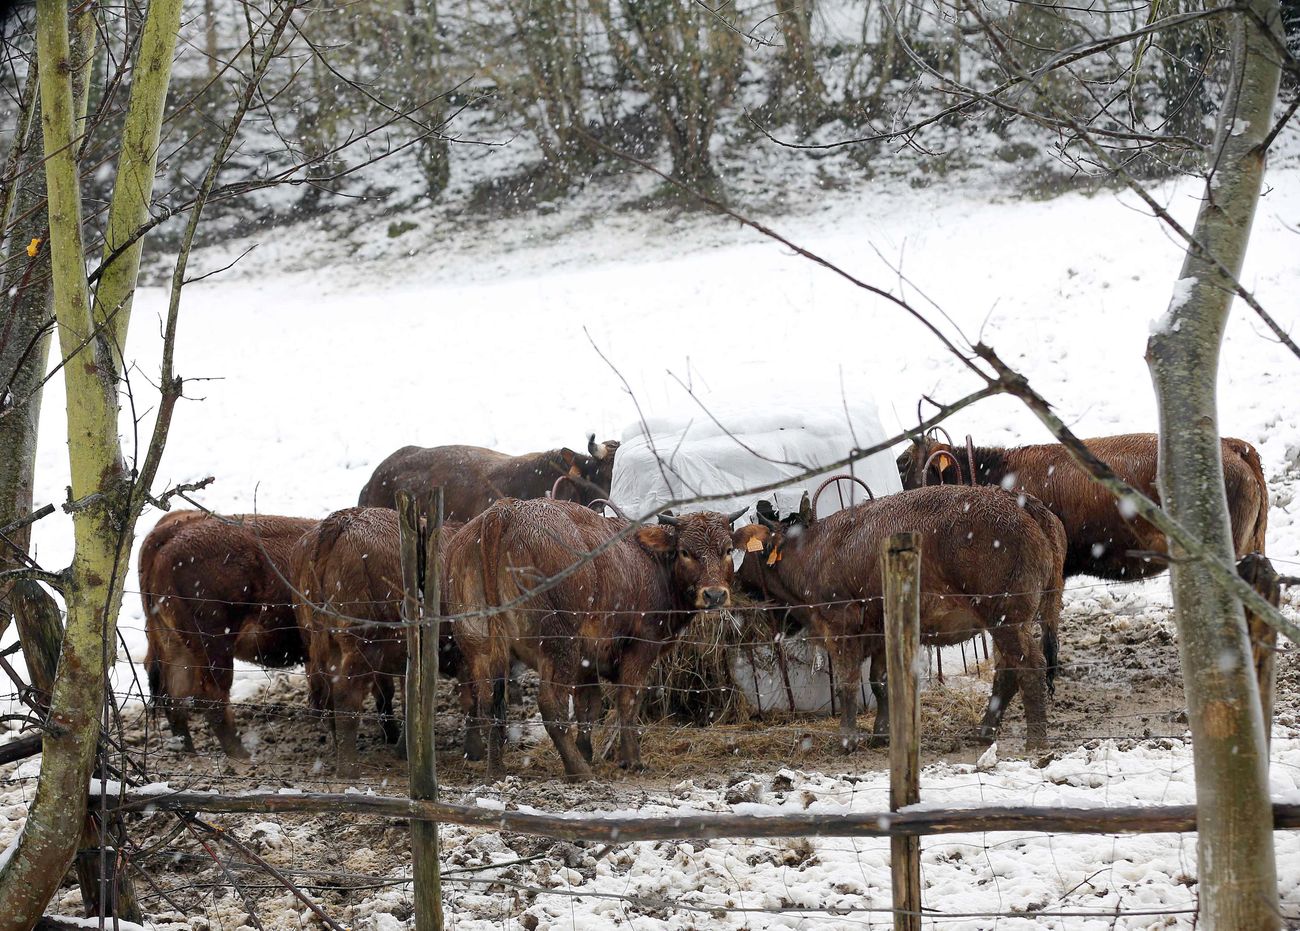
<point x="753" y="545"/>
<point x="943" y="460"/>
<point x="774" y="557"/>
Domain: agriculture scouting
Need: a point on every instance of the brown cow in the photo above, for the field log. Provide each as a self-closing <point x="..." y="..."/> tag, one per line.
<point x="987" y="564"/>
<point x="473" y="477"/>
<point x="348" y="575"/>
<point x="610" y="616"/>
<point x="1102" y="540"/>
<point x="214" y="590"/>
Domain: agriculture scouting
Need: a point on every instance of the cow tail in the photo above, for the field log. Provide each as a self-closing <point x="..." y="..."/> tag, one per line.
<point x="1051" y="655"/>
<point x="153" y="672"/>
<point x="331" y="528"/>
<point x="489" y="547"/>
<point x="1251" y="457"/>
<point x="150" y="604"/>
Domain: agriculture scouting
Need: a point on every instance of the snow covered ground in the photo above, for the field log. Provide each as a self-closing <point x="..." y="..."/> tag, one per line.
<point x="317" y="356"/>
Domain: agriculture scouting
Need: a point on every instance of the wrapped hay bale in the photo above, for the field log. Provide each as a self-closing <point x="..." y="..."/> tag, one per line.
<point x="752" y="658"/>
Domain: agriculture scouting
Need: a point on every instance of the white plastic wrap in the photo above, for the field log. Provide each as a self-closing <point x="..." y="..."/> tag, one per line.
<point x="741" y="447"/>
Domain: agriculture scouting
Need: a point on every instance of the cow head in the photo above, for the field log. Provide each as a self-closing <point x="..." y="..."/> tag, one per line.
<point x="589" y="476"/>
<point x="696" y="549"/>
<point x="762" y="542"/>
<point x="927" y="461"/>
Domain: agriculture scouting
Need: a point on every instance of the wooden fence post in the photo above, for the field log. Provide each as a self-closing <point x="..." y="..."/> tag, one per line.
<point x="901" y="566"/>
<point x="419" y="522"/>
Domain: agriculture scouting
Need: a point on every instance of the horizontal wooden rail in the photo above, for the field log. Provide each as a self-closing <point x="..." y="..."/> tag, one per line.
<point x="597" y="827"/>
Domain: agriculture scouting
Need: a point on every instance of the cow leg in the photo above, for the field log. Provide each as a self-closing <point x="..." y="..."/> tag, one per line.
<point x="495" y="726"/>
<point x="384" y="688"/>
<point x="473" y="739"/>
<point x="321" y="659"/>
<point x="218" y="713"/>
<point x="175" y="701"/>
<point x="846" y="651"/>
<point x="180" y="671"/>
<point x="1033" y="686"/>
<point x="349" y="700"/>
<point x="880" y="727"/>
<point x="553" y="700"/>
<point x="1005" y="685"/>
<point x="629" y="737"/>
<point x="222" y="721"/>
<point x="476" y="691"/>
<point x="1020" y="664"/>
<point x="347" y="713"/>
<point x="588" y="708"/>
<point x="178" y="719"/>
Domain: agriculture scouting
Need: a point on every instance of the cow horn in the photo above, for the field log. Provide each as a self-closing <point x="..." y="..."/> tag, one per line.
<point x="596" y="450"/>
<point x="737" y="515"/>
<point x="666" y="518"/>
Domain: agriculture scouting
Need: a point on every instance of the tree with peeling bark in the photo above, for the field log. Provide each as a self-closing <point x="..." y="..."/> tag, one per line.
<point x="1238" y="878"/>
<point x="104" y="519"/>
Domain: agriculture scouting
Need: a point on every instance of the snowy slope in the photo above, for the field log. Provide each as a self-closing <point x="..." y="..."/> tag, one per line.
<point x="305" y="377"/>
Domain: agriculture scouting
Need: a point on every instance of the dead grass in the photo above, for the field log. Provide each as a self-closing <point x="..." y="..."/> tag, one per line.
<point x="692" y="683"/>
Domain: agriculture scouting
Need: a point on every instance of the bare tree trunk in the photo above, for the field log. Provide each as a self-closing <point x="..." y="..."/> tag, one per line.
<point x="210" y="37"/>
<point x="1237" y="873"/>
<point x="424" y="58"/>
<point x="27" y="304"/>
<point x="798" y="77"/>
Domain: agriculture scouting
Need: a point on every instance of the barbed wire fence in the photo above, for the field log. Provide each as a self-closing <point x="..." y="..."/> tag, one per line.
<point x="204" y="837"/>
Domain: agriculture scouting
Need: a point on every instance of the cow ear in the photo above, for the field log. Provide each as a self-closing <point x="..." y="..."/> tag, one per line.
<point x="569" y="456"/>
<point x="657" y="538"/>
<point x="751" y="538"/>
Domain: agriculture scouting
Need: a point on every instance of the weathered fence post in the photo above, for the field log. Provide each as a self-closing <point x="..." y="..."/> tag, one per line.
<point x="1256" y="569"/>
<point x="901" y="566"/>
<point x="419" y="522"/>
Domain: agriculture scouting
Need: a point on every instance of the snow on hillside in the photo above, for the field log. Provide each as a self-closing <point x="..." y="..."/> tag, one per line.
<point x="317" y="356"/>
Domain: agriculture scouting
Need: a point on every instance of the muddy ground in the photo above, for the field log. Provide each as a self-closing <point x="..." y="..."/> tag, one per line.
<point x="1119" y="681"/>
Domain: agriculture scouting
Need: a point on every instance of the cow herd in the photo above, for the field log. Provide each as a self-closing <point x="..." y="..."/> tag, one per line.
<point x="533" y="575"/>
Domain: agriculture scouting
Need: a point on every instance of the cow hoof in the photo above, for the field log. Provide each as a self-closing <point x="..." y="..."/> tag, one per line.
<point x="1035" y="744"/>
<point x="581" y="775"/>
<point x="635" y="766"/>
<point x="982" y="737"/>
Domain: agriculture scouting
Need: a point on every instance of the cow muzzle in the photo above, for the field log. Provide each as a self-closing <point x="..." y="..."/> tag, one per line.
<point x="714" y="597"/>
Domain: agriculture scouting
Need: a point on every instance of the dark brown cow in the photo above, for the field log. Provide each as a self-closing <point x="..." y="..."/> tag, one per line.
<point x="214" y="590"/>
<point x="610" y="616"/>
<point x="473" y="477"/>
<point x="987" y="564"/>
<point x="348" y="575"/>
<point x="1101" y="538"/>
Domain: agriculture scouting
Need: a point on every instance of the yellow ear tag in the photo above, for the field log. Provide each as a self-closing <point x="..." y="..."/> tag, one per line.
<point x="753" y="545"/>
<point x="775" y="556"/>
<point x="944" y="460"/>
